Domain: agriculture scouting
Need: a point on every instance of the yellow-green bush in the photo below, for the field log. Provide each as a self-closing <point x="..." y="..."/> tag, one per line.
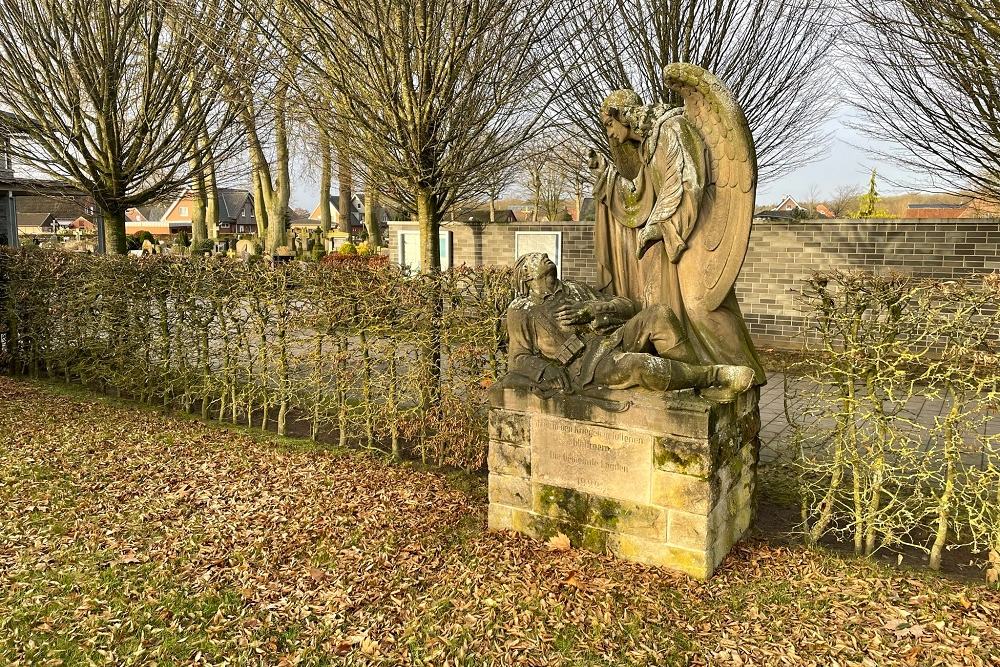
<point x="867" y="467"/>
<point x="340" y="350"/>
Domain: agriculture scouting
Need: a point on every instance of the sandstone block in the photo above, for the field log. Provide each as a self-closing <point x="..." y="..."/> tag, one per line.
<point x="507" y="459"/>
<point x="510" y="490"/>
<point x="686" y="457"/>
<point x="682" y="492"/>
<point x="510" y="427"/>
<point x="690" y="531"/>
<point x="599" y="512"/>
<point x="650" y="552"/>
<point x="500" y="517"/>
<point x="660" y="478"/>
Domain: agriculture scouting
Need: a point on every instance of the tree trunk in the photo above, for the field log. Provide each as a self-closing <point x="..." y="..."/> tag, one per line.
<point x="325" y="178"/>
<point x="276" y="236"/>
<point x="430" y="226"/>
<point x="579" y="200"/>
<point x="372" y="222"/>
<point x="114" y="231"/>
<point x="430" y="263"/>
<point x="211" y="197"/>
<point x="493" y="209"/>
<point x="262" y="191"/>
<point x="199" y="228"/>
<point x="259" y="206"/>
<point x="344" y="183"/>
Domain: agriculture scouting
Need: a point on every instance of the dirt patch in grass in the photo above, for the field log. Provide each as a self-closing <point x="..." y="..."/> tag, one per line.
<point x="130" y="537"/>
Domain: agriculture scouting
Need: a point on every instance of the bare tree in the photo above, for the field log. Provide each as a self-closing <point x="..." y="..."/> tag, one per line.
<point x="571" y="158"/>
<point x="325" y="179"/>
<point x="436" y="93"/>
<point x="773" y="54"/>
<point x="844" y="200"/>
<point x="105" y="95"/>
<point x="502" y="177"/>
<point x="553" y="191"/>
<point x="928" y="80"/>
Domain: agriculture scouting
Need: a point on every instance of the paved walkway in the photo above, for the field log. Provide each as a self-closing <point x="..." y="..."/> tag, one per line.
<point x="775" y="430"/>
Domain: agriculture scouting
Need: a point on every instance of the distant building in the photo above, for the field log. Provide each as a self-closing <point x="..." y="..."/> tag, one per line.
<point x="937" y="210"/>
<point x="235" y="206"/>
<point x="31" y="206"/>
<point x="36" y="224"/>
<point x="357" y="214"/>
<point x="789" y="205"/>
<point x="823" y="211"/>
<point x="973" y="208"/>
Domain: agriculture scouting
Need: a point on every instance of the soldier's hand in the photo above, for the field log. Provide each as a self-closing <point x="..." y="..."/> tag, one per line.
<point x="573" y="313"/>
<point x="557" y="376"/>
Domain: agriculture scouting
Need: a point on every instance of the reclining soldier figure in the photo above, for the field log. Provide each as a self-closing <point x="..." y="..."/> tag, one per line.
<point x="566" y="336"/>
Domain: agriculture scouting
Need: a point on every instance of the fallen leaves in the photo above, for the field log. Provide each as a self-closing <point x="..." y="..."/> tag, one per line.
<point x="558" y="542"/>
<point x="177" y="542"/>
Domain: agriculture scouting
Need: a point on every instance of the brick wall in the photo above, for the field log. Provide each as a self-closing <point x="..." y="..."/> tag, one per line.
<point x="782" y="255"/>
<point x="494" y="244"/>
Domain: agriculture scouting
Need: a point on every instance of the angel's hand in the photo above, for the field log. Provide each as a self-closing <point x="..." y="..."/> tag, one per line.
<point x="649" y="235"/>
<point x="596" y="161"/>
<point x="574" y="313"/>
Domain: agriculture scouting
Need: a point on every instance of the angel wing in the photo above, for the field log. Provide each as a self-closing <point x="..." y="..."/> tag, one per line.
<point x="717" y="246"/>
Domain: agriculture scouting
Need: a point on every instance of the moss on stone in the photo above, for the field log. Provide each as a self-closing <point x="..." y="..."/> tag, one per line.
<point x="678" y="456"/>
<point x="579" y="507"/>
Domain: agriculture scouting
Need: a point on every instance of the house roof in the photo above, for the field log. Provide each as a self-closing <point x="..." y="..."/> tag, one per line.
<point x="231" y="202"/>
<point x="34" y="219"/>
<point x="936" y="205"/>
<point x="152" y="212"/>
<point x="483" y="215"/>
<point x="775" y="215"/>
<point x="6" y="119"/>
<point x="824" y="211"/>
<point x="788" y="199"/>
<point x="60" y="207"/>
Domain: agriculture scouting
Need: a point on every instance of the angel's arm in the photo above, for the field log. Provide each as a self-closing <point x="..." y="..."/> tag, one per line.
<point x="672" y="216"/>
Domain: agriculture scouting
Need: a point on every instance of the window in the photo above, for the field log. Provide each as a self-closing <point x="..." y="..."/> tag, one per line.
<point x="548" y="242"/>
<point x="183" y="211"/>
<point x="409" y="249"/>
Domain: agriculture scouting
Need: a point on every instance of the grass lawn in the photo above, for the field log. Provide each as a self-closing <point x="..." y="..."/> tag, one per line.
<point x="130" y="537"/>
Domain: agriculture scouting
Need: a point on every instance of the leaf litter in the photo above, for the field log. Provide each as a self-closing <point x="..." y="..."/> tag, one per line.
<point x="132" y="538"/>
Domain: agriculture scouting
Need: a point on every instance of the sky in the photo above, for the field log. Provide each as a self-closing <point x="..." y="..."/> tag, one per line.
<point x="848" y="161"/>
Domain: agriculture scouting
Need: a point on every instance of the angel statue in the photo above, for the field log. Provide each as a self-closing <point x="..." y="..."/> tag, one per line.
<point x="674" y="208"/>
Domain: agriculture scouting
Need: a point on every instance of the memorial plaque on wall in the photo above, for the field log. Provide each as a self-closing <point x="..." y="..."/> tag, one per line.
<point x="547" y="242"/>
<point x="594" y="459"/>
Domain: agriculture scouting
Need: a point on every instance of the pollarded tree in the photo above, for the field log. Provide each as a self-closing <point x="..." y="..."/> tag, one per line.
<point x="120" y="98"/>
<point x="928" y="81"/>
<point x="773" y="54"/>
<point x="436" y="94"/>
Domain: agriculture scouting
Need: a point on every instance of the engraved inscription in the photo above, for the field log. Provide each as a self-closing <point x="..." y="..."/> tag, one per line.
<point x="595" y="459"/>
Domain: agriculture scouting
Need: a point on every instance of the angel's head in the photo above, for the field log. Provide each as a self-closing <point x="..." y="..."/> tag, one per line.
<point x="626" y="120"/>
<point x="622" y="114"/>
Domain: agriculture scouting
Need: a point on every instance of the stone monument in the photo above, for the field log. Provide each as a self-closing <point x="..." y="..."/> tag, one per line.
<point x="628" y="419"/>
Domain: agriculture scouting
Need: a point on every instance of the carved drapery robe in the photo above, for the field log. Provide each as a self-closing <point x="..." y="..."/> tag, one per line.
<point x="674" y="178"/>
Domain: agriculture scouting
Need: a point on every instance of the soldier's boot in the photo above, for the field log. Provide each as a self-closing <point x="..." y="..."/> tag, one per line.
<point x="728" y="382"/>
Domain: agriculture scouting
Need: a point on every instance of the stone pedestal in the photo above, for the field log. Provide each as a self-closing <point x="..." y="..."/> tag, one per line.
<point x="670" y="481"/>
